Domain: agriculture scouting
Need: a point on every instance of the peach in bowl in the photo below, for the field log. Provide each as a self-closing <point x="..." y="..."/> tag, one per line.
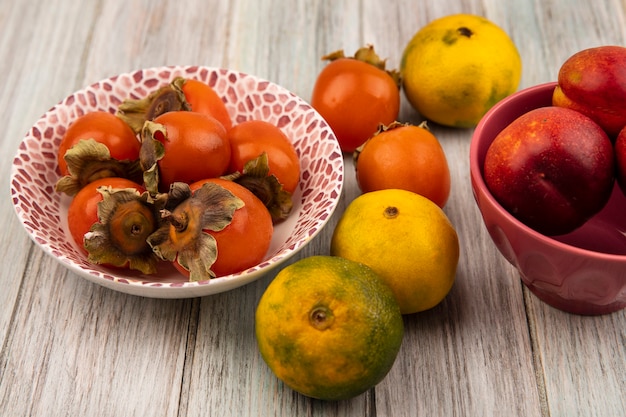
<point x="581" y="271"/>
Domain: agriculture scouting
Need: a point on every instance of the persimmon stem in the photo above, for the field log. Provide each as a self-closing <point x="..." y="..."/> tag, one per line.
<point x="179" y="221"/>
<point x="463" y="31"/>
<point x="391" y="212"/>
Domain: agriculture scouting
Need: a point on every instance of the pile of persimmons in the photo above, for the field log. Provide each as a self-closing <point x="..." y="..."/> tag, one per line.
<point x="168" y="178"/>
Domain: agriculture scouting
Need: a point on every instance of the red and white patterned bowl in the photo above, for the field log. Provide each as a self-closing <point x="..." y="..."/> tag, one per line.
<point x="43" y="212"/>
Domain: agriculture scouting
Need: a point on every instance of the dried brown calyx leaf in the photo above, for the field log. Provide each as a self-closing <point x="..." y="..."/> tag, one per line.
<point x="126" y="218"/>
<point x="150" y="153"/>
<point x="89" y="160"/>
<point x="369" y="56"/>
<point x="135" y="112"/>
<point x="187" y="217"/>
<point x="256" y="177"/>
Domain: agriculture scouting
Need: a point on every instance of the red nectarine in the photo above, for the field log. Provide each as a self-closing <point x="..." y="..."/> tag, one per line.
<point x="552" y="168"/>
<point x="593" y="82"/>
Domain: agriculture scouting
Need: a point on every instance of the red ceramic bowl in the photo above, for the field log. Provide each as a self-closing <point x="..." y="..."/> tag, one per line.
<point x="583" y="272"/>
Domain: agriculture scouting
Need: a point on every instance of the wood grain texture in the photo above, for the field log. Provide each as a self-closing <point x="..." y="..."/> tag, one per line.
<point x="68" y="347"/>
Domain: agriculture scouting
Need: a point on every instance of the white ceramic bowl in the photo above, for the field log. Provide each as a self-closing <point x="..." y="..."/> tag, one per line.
<point x="43" y="212"/>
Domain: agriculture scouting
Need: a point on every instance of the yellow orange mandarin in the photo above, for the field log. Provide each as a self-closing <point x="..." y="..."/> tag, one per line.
<point x="457" y="67"/>
<point x="406" y="239"/>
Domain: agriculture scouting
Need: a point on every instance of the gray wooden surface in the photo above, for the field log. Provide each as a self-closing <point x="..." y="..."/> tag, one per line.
<point x="72" y="348"/>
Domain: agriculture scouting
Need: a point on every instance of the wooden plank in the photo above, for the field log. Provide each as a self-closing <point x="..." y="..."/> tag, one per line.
<point x="137" y="34"/>
<point x="29" y="88"/>
<point x="79" y="349"/>
<point x="461" y="357"/>
<point x="583" y="360"/>
<point x="579" y="360"/>
<point x="226" y="363"/>
<point x="71" y="347"/>
<point x="68" y="347"/>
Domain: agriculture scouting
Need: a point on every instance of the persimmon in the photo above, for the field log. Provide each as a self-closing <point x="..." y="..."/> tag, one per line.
<point x="89" y="160"/>
<point x="355" y="95"/>
<point x="96" y="145"/>
<point x="105" y="128"/>
<point x="255" y="176"/>
<point x="182" y="94"/>
<point x="249" y="139"/>
<point x="213" y="227"/>
<point x="110" y="219"/>
<point x="201" y="98"/>
<point x="183" y="146"/>
<point x="245" y="241"/>
<point x="83" y="209"/>
<point x="407" y="157"/>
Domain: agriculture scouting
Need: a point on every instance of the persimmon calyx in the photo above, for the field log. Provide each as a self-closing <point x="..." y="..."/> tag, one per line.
<point x="89" y="160"/>
<point x="135" y="112"/>
<point x="150" y="153"/>
<point x="256" y="177"/>
<point x="187" y="218"/>
<point x="126" y="218"/>
<point x="177" y="85"/>
<point x="368" y="55"/>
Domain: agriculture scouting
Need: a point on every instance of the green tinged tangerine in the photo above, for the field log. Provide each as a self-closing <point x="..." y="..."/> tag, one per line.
<point x="328" y="327"/>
